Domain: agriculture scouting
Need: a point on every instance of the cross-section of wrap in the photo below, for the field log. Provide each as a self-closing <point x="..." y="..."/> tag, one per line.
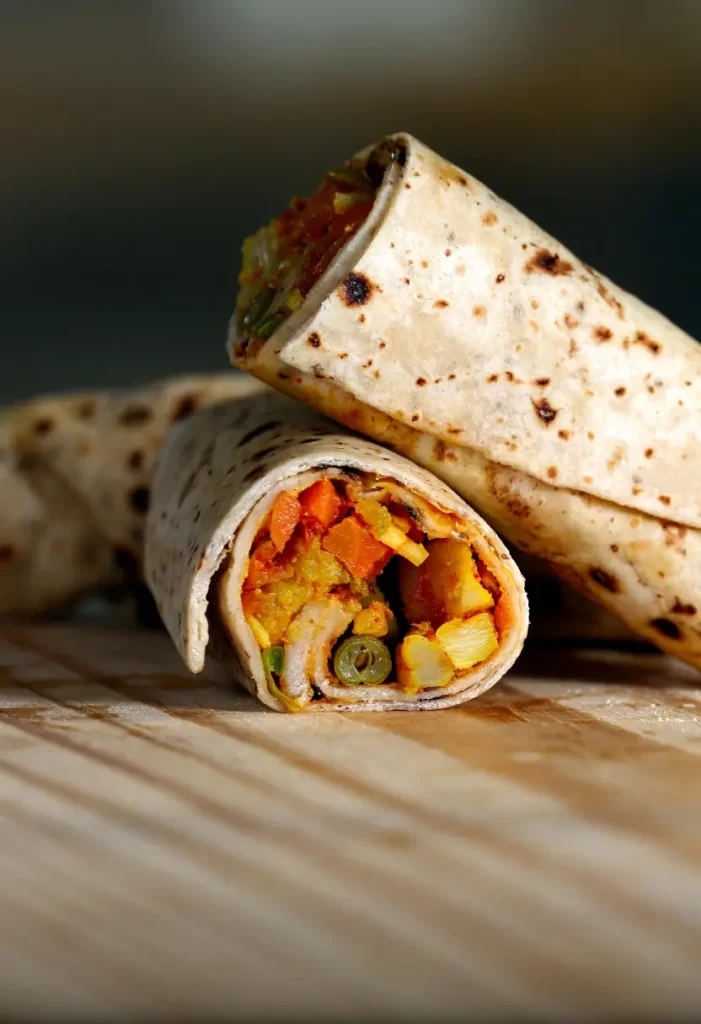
<point x="75" y="472"/>
<point x="409" y="302"/>
<point x="324" y="570"/>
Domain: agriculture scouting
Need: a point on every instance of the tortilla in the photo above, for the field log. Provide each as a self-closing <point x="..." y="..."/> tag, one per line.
<point x="221" y="478"/>
<point x="75" y="472"/>
<point x="454" y="330"/>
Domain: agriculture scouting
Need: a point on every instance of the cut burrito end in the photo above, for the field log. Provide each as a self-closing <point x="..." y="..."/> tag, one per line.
<point x="355" y="583"/>
<point x="323" y="571"/>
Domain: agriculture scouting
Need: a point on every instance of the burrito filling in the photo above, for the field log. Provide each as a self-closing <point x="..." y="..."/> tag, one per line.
<point x="283" y="261"/>
<point x="351" y="583"/>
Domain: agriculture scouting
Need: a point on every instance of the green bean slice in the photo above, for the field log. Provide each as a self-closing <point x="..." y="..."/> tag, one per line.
<point x="362" y="659"/>
<point x="259" y="306"/>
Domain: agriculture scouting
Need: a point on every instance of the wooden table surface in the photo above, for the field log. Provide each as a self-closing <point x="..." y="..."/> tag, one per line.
<point x="170" y="849"/>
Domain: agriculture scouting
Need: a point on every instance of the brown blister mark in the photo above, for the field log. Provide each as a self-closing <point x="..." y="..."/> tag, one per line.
<point x="185" y="407"/>
<point x="133" y="415"/>
<point x="376" y="374"/>
<point x="665" y="499"/>
<point x="440" y="304"/>
<point x="139" y="499"/>
<point x="544" y="410"/>
<point x="573" y="348"/>
<point x="454" y="430"/>
<point x="367" y="365"/>
<point x="542" y="382"/>
<point x="641" y="338"/>
<point x="649" y="452"/>
<point x="545" y="262"/>
<point x="449" y="252"/>
<point x="552" y="472"/>
<point x="437" y="380"/>
<point x="479" y="312"/>
<point x="355" y="289"/>
<point x="489" y="218"/>
<point x="635" y="491"/>
<point x="43" y="426"/>
<point x="667" y="628"/>
<point x="534" y="304"/>
<point x="564" y="434"/>
<point x="7" y="553"/>
<point x="86" y="410"/>
<point x="604" y="579"/>
<point x="342" y="355"/>
<point x="580" y="307"/>
<point x="420" y="382"/>
<point x="424" y="263"/>
<point x="135" y="459"/>
<point x="415" y="418"/>
<point x="619" y="392"/>
<point x="451" y="376"/>
<point x="493" y="378"/>
<point x="406" y="280"/>
<point x="570" y="321"/>
<point x="678" y="608"/>
<point x="383" y="344"/>
<point x="591" y="435"/>
<point x="602" y="334"/>
<point x="460" y="269"/>
<point x="587" y="480"/>
<point x="512" y="378"/>
<point x="499" y="278"/>
<point x="439" y="450"/>
<point x="534" y="326"/>
<point x="408" y="185"/>
<point x="462" y="180"/>
<point x="361" y="318"/>
<point x="606" y="295"/>
<point x="614" y="548"/>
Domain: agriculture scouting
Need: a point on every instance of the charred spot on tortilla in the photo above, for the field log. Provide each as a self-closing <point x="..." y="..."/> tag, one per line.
<point x="139" y="499"/>
<point x="649" y="452"/>
<point x="440" y="304"/>
<point x="667" y="628"/>
<point x="479" y="312"/>
<point x="355" y="289"/>
<point x="86" y="409"/>
<point x="552" y="472"/>
<point x="135" y="459"/>
<point x="564" y="434"/>
<point x="604" y="579"/>
<point x="257" y="431"/>
<point x="133" y="415"/>
<point x="544" y="411"/>
<point x="500" y="278"/>
<point x="544" y="261"/>
<point x="602" y="333"/>
<point x="678" y="608"/>
<point x="489" y="218"/>
<point x="542" y="382"/>
<point x="665" y="499"/>
<point x="619" y="392"/>
<point x="185" y="407"/>
<point x="43" y="426"/>
<point x="420" y="382"/>
<point x="314" y="340"/>
<point x="641" y="338"/>
<point x="415" y="418"/>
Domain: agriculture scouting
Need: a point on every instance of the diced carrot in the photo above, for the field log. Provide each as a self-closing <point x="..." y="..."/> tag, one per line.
<point x="353" y="545"/>
<point x="286" y="513"/>
<point x="502" y="615"/>
<point x="322" y="501"/>
<point x="264" y="567"/>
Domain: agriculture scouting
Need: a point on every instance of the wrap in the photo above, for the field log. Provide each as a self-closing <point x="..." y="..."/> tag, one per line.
<point x="74" y="486"/>
<point x="454" y="330"/>
<point x="323" y="571"/>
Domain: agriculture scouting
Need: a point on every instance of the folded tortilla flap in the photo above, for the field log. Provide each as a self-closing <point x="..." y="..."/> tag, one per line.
<point x="75" y="472"/>
<point x="218" y="478"/>
<point x="519" y="350"/>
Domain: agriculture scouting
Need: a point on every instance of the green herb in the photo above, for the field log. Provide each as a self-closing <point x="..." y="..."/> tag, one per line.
<point x="273" y="658"/>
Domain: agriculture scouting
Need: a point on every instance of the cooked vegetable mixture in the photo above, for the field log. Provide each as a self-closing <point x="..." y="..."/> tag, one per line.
<point x="287" y="257"/>
<point x="349" y="585"/>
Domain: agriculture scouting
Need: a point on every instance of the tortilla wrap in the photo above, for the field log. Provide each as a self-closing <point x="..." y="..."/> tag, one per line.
<point x="219" y="476"/>
<point x="75" y="472"/>
<point x="455" y="331"/>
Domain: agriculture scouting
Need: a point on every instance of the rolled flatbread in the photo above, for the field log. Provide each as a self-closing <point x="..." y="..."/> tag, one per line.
<point x="409" y="302"/>
<point x="324" y="571"/>
<point x="75" y="472"/>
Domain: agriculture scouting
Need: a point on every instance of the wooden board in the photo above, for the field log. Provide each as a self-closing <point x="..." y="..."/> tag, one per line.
<point x="170" y="849"/>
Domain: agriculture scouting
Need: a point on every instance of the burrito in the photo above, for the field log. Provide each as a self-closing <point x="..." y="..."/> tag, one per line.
<point x="74" y="486"/>
<point x="408" y="301"/>
<point x="322" y="571"/>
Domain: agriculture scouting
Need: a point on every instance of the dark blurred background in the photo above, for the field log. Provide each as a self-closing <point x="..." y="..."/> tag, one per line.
<point x="142" y="140"/>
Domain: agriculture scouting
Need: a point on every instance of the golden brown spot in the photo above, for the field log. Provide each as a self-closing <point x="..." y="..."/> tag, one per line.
<point x="376" y="374"/>
<point x="667" y="628"/>
<point x="649" y="452"/>
<point x="361" y="318"/>
<point x="587" y="480"/>
<point x="492" y="378"/>
<point x="542" y="382"/>
<point x="420" y="382"/>
<point x="185" y="407"/>
<point x="614" y="548"/>
<point x="552" y="472"/>
<point x="564" y="434"/>
<point x="451" y="376"/>
<point x="545" y="262"/>
<point x="134" y="415"/>
<point x="641" y="338"/>
<point x="544" y="411"/>
<point x="343" y="355"/>
<point x="479" y="312"/>
<point x="683" y="609"/>
<point x="620" y="392"/>
<point x="462" y="180"/>
<point x="424" y="263"/>
<point x="534" y="304"/>
<point x="135" y="460"/>
<point x="460" y="269"/>
<point x="406" y="280"/>
<point x="635" y="491"/>
<point x="591" y="435"/>
<point x="534" y="326"/>
<point x="570" y="321"/>
<point x="489" y="218"/>
<point x="367" y="365"/>
<point x="602" y="333"/>
<point x="383" y="344"/>
<point x="580" y="307"/>
<point x="408" y="185"/>
<point x="86" y="409"/>
<point x="437" y="380"/>
<point x="439" y="450"/>
<point x="415" y="417"/>
<point x="454" y="430"/>
<point x="500" y="277"/>
<point x="573" y="348"/>
<point x="440" y="304"/>
<point x="604" y="579"/>
<point x="665" y="499"/>
<point x="355" y="289"/>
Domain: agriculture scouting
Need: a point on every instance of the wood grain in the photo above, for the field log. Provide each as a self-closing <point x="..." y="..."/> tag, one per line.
<point x="170" y="848"/>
